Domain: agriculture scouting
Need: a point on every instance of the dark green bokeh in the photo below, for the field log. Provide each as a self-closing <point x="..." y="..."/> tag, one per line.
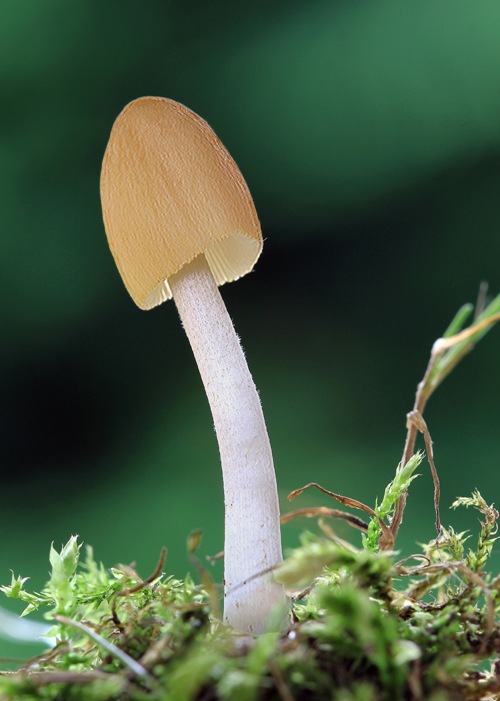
<point x="369" y="136"/>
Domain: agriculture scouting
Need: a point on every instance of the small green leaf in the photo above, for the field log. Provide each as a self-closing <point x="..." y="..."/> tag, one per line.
<point x="16" y="587"/>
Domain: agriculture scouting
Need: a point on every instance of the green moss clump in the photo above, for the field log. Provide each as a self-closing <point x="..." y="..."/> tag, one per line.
<point x="366" y="627"/>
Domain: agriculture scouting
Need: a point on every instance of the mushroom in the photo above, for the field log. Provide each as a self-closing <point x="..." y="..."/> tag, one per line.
<point x="180" y="221"/>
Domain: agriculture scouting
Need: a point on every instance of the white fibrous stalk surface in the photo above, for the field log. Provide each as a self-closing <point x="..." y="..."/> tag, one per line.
<point x="252" y="542"/>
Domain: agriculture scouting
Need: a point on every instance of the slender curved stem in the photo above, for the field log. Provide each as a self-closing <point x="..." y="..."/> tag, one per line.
<point x="252" y="530"/>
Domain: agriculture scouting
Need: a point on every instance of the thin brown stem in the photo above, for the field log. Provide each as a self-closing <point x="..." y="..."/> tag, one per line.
<point x="435" y="373"/>
<point x="421" y="397"/>
<point x="145" y="582"/>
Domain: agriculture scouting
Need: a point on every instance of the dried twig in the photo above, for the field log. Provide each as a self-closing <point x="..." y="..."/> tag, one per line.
<point x="416" y="419"/>
<point x="435" y="373"/>
<point x="352" y="503"/>
<point x="313" y="511"/>
<point x="145" y="582"/>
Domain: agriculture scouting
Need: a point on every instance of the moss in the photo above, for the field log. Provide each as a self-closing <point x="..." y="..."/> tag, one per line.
<point x="368" y="627"/>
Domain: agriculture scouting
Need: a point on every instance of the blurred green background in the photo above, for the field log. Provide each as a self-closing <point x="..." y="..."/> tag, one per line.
<point x="369" y="135"/>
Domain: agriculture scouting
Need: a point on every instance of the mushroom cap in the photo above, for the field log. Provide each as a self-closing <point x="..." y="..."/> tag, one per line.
<point x="170" y="191"/>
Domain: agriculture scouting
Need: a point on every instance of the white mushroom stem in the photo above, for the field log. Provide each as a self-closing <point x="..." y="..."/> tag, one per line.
<point x="252" y="543"/>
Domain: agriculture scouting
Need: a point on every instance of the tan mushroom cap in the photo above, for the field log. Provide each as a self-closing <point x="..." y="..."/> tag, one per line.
<point x="170" y="191"/>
